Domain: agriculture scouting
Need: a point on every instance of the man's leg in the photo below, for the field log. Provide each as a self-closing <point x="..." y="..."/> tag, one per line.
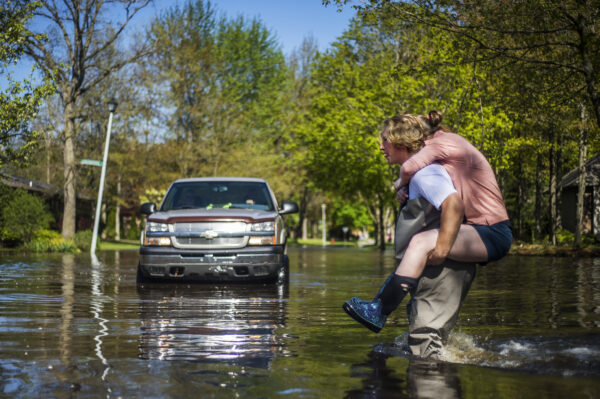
<point x="435" y="304"/>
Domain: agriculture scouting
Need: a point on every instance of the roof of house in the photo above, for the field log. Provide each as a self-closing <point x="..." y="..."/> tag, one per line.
<point x="592" y="177"/>
<point x="28" y="184"/>
<point x="36" y="185"/>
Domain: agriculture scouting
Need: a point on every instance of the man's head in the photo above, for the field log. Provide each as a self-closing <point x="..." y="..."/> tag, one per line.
<point x="402" y="136"/>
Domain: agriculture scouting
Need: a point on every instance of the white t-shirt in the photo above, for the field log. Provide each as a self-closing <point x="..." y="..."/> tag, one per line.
<point x="432" y="183"/>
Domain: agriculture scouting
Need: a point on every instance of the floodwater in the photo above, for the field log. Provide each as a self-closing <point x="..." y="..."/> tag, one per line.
<point x="530" y="328"/>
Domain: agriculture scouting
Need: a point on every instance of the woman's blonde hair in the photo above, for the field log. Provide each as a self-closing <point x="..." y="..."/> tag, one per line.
<point x="411" y="131"/>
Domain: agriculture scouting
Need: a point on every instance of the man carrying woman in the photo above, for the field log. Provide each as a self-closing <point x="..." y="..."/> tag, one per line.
<point x="446" y="173"/>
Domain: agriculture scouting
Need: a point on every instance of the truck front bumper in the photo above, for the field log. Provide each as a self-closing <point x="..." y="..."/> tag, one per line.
<point x="250" y="264"/>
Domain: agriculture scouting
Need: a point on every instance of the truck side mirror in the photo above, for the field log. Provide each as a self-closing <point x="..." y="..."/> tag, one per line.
<point x="288" y="207"/>
<point x="148" y="208"/>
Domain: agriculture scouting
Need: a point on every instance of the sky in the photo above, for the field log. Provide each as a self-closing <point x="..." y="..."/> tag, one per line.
<point x="289" y="20"/>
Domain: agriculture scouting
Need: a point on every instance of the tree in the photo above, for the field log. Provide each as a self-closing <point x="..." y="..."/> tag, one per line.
<point x="376" y="69"/>
<point x="537" y="61"/>
<point x="19" y="100"/>
<point x="221" y="81"/>
<point x="81" y="38"/>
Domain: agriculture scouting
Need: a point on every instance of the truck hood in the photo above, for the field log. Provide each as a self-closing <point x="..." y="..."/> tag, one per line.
<point x="200" y="215"/>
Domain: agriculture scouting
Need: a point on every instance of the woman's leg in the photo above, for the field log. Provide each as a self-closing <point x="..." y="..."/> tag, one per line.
<point x="468" y="247"/>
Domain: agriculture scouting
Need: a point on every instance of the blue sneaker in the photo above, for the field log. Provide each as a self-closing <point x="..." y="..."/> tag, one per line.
<point x="366" y="313"/>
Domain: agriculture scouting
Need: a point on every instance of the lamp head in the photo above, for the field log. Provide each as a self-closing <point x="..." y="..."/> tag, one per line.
<point x="112" y="105"/>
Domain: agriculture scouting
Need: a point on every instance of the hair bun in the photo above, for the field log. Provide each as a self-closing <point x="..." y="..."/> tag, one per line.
<point x="435" y="118"/>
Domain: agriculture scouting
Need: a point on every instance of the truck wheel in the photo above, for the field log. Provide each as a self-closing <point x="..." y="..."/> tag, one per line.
<point x="140" y="277"/>
<point x="284" y="272"/>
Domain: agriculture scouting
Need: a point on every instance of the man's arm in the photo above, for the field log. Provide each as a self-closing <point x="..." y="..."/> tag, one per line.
<point x="453" y="211"/>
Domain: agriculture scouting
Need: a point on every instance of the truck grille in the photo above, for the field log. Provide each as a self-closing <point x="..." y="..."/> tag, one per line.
<point x="210" y="229"/>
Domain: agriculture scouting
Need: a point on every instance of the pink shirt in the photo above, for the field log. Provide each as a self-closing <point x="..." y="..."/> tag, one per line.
<point x="470" y="172"/>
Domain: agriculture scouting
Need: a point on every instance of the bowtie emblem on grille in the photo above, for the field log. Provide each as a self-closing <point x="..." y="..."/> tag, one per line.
<point x="209" y="234"/>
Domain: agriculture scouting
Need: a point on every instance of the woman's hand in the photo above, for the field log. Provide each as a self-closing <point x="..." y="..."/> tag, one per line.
<point x="402" y="195"/>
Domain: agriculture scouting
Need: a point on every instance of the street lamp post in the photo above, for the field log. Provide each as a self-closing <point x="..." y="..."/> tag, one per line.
<point x="323" y="206"/>
<point x="112" y="107"/>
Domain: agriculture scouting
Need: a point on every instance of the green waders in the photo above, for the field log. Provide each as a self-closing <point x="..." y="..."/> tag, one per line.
<point x="441" y="290"/>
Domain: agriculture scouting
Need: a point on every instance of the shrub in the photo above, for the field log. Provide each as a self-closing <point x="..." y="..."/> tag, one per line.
<point x="50" y="241"/>
<point x="565" y="237"/>
<point x="23" y="215"/>
<point x="134" y="232"/>
<point x="110" y="231"/>
<point x="83" y="240"/>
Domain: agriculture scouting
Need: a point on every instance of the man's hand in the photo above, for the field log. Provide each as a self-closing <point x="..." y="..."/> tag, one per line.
<point x="437" y="256"/>
<point x="453" y="212"/>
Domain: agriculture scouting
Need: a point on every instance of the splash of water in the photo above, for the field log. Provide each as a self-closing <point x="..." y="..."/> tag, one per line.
<point x="568" y="356"/>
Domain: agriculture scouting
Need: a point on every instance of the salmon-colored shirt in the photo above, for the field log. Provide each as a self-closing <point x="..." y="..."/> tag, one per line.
<point x="470" y="172"/>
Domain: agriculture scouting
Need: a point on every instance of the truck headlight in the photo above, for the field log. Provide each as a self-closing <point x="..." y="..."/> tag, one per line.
<point x="157" y="240"/>
<point x="262" y="226"/>
<point x="265" y="238"/>
<point x="157" y="227"/>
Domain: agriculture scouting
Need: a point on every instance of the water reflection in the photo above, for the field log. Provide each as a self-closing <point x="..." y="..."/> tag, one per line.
<point x="229" y="323"/>
<point x="423" y="378"/>
<point x="97" y="300"/>
<point x="378" y="380"/>
<point x="66" y="309"/>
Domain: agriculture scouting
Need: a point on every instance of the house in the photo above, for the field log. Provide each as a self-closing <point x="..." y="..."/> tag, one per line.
<point x="54" y="199"/>
<point x="591" y="213"/>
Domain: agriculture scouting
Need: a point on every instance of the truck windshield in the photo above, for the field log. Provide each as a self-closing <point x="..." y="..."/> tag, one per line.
<point x="215" y="194"/>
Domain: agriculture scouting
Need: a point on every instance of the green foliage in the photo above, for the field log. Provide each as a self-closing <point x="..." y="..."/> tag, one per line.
<point x="230" y="105"/>
<point x="110" y="228"/>
<point x="153" y="195"/>
<point x="19" y="100"/>
<point x="83" y="240"/>
<point x="24" y="214"/>
<point x="565" y="237"/>
<point x="221" y="81"/>
<point x="134" y="231"/>
<point x="50" y="241"/>
<point x="351" y="214"/>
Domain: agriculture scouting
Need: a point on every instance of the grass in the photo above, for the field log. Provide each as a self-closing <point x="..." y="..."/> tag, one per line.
<point x="319" y="242"/>
<point x="118" y="245"/>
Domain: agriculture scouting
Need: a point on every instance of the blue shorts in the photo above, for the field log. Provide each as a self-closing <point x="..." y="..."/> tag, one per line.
<point x="497" y="239"/>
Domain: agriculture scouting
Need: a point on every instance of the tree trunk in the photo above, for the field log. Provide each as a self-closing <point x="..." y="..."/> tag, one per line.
<point x="118" y="211"/>
<point x="538" y="197"/>
<point x="69" y="205"/>
<point x="300" y="230"/>
<point x="518" y="214"/>
<point x="553" y="190"/>
<point x="582" y="144"/>
<point x="305" y="229"/>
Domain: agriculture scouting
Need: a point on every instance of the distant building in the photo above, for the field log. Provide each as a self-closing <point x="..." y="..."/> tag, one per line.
<point x="591" y="213"/>
<point x="54" y="199"/>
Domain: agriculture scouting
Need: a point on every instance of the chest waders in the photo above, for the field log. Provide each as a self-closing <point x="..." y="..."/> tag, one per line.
<point x="436" y="296"/>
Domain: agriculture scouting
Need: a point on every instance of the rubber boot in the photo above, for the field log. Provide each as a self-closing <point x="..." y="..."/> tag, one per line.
<point x="373" y="315"/>
<point x="394" y="292"/>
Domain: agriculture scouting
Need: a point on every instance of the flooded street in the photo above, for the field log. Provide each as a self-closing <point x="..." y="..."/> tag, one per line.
<point x="530" y="328"/>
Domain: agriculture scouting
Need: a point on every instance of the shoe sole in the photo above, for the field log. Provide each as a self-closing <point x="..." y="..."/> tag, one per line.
<point x="352" y="313"/>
